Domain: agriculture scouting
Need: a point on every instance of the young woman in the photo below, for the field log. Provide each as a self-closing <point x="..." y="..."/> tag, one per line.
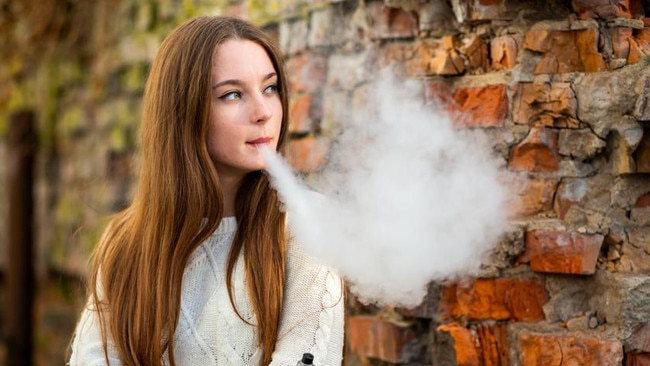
<point x="200" y="269"/>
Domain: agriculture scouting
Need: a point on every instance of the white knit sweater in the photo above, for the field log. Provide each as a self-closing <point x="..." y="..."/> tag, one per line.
<point x="209" y="331"/>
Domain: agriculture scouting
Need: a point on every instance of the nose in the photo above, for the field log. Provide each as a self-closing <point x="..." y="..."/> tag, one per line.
<point x="261" y="109"/>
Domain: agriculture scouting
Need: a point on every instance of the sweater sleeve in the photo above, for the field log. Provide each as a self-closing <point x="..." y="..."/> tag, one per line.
<point x="87" y="348"/>
<point x="313" y="315"/>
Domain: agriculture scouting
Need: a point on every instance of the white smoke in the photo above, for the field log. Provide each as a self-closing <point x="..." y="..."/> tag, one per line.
<point x="405" y="198"/>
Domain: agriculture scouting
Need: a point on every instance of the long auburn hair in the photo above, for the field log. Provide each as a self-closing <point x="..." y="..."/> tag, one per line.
<point x="137" y="269"/>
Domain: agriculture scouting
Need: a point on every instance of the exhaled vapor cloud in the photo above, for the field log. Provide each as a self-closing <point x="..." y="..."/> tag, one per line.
<point x="405" y="198"/>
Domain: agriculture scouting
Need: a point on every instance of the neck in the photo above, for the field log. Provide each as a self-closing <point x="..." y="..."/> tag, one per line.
<point x="229" y="187"/>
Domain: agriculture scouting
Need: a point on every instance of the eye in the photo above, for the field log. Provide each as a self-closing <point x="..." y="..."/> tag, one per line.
<point x="271" y="89"/>
<point x="231" y="95"/>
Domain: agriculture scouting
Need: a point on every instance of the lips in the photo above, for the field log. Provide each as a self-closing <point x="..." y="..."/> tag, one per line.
<point x="262" y="140"/>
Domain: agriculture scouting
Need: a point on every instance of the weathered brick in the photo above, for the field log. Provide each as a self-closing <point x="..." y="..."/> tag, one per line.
<point x="550" y="350"/>
<point x="531" y="197"/>
<point x="389" y="22"/>
<point x="580" y="144"/>
<point x="637" y="359"/>
<point x="464" y="344"/>
<point x="569" y="192"/>
<point x="375" y="337"/>
<point x="307" y="154"/>
<point x="602" y="9"/>
<point x="504" y="51"/>
<point x="537" y="152"/>
<point x="476" y="53"/>
<point x="643" y="201"/>
<point x="485" y="106"/>
<point x="496" y="299"/>
<point x="639" y="341"/>
<point x="562" y="252"/>
<point x="620" y="41"/>
<point x="566" y="51"/>
<point x="473" y="11"/>
<point x="545" y="104"/>
<point x="642" y="153"/>
<point x="446" y="63"/>
<point x="439" y="92"/>
<point x="482" y="345"/>
<point x="302" y="113"/>
<point x="306" y="74"/>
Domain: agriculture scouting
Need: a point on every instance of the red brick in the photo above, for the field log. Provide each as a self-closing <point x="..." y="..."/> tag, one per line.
<point x="602" y="9"/>
<point x="531" y="197"/>
<point x="306" y="74"/>
<point x="569" y="192"/>
<point x="476" y="52"/>
<point x="447" y="63"/>
<point x="300" y="113"/>
<point x="637" y="359"/>
<point x="566" y="51"/>
<point x="374" y="337"/>
<point x="307" y="154"/>
<point x="485" y="106"/>
<point x="620" y="41"/>
<point x="553" y="350"/>
<point x="464" y="344"/>
<point x="562" y="252"/>
<point x="642" y="153"/>
<point x="391" y="22"/>
<point x="504" y="51"/>
<point x="536" y="153"/>
<point x="484" y="345"/>
<point x="643" y="201"/>
<point x="439" y="93"/>
<point x="639" y="341"/>
<point x="545" y="104"/>
<point x="496" y="299"/>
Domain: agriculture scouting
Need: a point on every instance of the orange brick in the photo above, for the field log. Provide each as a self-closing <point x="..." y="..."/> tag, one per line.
<point x="306" y="74"/>
<point x="464" y="344"/>
<point x="536" y="153"/>
<point x="374" y="337"/>
<point x="300" y="113"/>
<point x="562" y="252"/>
<point x="496" y="299"/>
<point x="484" y="345"/>
<point x="602" y="9"/>
<point x="566" y="51"/>
<point x="531" y="197"/>
<point x="642" y="153"/>
<point x="503" y="51"/>
<point x="545" y="104"/>
<point x="307" y="154"/>
<point x="552" y="350"/>
<point x="485" y="106"/>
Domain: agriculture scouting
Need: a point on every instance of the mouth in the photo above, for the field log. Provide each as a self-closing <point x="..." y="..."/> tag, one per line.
<point x="260" y="141"/>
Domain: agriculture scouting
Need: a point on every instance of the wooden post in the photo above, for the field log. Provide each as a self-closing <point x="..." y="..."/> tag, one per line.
<point x="21" y="149"/>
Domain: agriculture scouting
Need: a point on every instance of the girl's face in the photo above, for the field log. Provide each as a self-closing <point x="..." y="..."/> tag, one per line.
<point x="246" y="111"/>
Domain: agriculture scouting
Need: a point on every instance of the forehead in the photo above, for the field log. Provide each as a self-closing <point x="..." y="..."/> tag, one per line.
<point x="237" y="58"/>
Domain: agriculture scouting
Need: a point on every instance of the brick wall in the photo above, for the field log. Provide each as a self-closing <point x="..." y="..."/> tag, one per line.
<point x="561" y="87"/>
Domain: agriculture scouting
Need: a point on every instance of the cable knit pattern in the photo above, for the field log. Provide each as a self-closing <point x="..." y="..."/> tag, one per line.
<point x="209" y="331"/>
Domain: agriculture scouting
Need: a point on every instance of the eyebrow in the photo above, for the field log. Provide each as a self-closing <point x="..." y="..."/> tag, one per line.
<point x="239" y="82"/>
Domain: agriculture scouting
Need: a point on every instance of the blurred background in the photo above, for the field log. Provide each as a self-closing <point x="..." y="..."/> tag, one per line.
<point x="561" y="87"/>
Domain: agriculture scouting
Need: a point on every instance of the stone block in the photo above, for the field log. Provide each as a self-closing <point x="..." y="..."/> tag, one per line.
<point x="293" y="36"/>
<point x="641" y="154"/>
<point x="519" y="299"/>
<point x="545" y="104"/>
<point x="565" y="51"/>
<point x="637" y="359"/>
<point x="537" y="152"/>
<point x="531" y="197"/>
<point x="558" y="349"/>
<point x="562" y="252"/>
<point x="374" y="337"/>
<point x="504" y="51"/>
<point x="581" y="144"/>
<point x="479" y="345"/>
<point x="485" y="106"/>
<point x="475" y="51"/>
